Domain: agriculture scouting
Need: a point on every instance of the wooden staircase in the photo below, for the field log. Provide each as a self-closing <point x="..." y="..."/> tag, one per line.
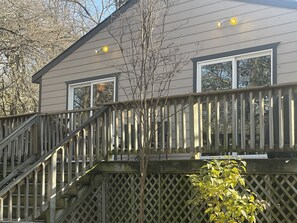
<point x="45" y="187"/>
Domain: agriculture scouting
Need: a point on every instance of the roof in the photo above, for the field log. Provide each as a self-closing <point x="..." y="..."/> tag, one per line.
<point x="292" y="4"/>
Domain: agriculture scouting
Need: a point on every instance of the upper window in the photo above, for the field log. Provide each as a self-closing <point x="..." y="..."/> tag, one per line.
<point x="91" y="94"/>
<point x="238" y="71"/>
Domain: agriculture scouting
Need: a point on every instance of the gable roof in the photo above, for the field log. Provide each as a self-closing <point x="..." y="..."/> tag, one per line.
<point x="292" y="4"/>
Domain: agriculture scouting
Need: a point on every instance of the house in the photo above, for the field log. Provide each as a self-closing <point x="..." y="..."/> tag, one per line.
<point x="237" y="93"/>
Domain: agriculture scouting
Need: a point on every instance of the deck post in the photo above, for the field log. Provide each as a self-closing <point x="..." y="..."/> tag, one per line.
<point x="52" y="188"/>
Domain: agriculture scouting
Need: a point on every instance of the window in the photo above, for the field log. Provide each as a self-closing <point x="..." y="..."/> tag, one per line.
<point x="238" y="71"/>
<point x="91" y="94"/>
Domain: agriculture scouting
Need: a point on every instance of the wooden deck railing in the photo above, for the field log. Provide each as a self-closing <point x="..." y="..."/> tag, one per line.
<point x="53" y="172"/>
<point x="34" y="137"/>
<point x="9" y="123"/>
<point x="18" y="147"/>
<point x="258" y="119"/>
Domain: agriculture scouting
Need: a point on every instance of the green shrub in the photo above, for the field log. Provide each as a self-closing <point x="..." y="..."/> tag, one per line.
<point x="221" y="186"/>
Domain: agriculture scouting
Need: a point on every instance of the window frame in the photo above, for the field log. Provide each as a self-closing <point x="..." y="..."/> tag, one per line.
<point x="242" y="54"/>
<point x="233" y="60"/>
<point x="72" y="86"/>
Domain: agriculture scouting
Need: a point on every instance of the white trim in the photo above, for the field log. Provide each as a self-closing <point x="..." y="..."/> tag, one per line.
<point x="89" y="83"/>
<point x="234" y="60"/>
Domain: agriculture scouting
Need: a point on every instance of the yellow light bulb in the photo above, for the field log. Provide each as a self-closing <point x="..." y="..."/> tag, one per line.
<point x="219" y="24"/>
<point x="105" y="49"/>
<point x="233" y="21"/>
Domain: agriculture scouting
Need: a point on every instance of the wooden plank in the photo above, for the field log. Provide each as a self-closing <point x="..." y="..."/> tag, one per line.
<point x="43" y="184"/>
<point x="184" y="125"/>
<point x="122" y="112"/>
<point x="208" y="124"/>
<point x="271" y="120"/>
<point x="217" y="123"/>
<point x="225" y="116"/>
<point x="91" y="143"/>
<point x="129" y="131"/>
<point x="62" y="168"/>
<point x="76" y="154"/>
<point x="234" y="122"/>
<point x="98" y="145"/>
<point x="10" y="206"/>
<point x="84" y="149"/>
<point x="243" y="130"/>
<point x="280" y="119"/>
<point x="177" y="127"/>
<point x="20" y="148"/>
<point x="35" y="198"/>
<point x="135" y="130"/>
<point x="5" y="161"/>
<point x="155" y="128"/>
<point x="116" y="132"/>
<point x="109" y="131"/>
<point x="1" y="208"/>
<point x="45" y="134"/>
<point x="11" y="147"/>
<point x="261" y="120"/>
<point x="169" y="131"/>
<point x="52" y="184"/>
<point x="19" y="201"/>
<point x="70" y="158"/>
<point x="104" y="135"/>
<point x="27" y="189"/>
<point x="291" y="118"/>
<point x="195" y="121"/>
<point x="200" y="123"/>
<point x="161" y="129"/>
<point x="192" y="125"/>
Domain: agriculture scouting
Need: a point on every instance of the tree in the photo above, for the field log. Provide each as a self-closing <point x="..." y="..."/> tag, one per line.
<point x="32" y="33"/>
<point x="150" y="62"/>
<point x="221" y="186"/>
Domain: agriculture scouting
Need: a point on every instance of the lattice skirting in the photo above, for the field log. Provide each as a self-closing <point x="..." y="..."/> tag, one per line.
<point x="116" y="199"/>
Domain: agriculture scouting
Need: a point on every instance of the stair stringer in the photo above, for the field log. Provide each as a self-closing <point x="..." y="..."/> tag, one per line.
<point x="95" y="181"/>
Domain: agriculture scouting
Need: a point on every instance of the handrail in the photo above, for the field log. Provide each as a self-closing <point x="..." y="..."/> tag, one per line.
<point x="18" y="115"/>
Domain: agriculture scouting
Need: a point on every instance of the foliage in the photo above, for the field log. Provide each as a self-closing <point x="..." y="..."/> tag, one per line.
<point x="221" y="185"/>
<point x="32" y="33"/>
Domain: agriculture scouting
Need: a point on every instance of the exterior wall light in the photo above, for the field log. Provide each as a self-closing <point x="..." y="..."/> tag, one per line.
<point x="233" y="21"/>
<point x="104" y="49"/>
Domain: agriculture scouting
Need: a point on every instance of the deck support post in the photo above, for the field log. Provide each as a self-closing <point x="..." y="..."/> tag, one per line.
<point x="52" y="188"/>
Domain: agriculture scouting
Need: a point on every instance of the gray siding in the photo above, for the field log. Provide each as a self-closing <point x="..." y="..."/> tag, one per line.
<point x="198" y="36"/>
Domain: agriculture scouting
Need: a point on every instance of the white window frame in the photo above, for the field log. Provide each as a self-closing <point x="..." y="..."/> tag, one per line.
<point x="234" y="60"/>
<point x="89" y="83"/>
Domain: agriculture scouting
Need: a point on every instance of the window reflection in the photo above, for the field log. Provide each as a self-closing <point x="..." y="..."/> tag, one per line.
<point x="81" y="97"/>
<point x="103" y="93"/>
<point x="254" y="71"/>
<point x="216" y="76"/>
